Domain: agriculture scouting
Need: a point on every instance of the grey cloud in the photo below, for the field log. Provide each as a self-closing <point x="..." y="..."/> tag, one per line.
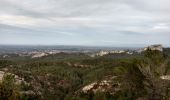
<point x="99" y="19"/>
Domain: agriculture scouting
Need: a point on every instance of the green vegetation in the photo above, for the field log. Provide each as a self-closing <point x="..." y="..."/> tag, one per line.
<point x="62" y="77"/>
<point x="8" y="88"/>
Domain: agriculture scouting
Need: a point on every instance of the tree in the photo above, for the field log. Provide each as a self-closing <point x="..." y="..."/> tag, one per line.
<point x="152" y="67"/>
<point x="8" y="88"/>
<point x="143" y="77"/>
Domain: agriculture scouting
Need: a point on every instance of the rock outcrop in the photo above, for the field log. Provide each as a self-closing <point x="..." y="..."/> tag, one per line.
<point x="158" y="47"/>
<point x="106" y="85"/>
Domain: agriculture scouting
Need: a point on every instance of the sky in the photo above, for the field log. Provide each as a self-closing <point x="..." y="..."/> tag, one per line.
<point x="85" y="22"/>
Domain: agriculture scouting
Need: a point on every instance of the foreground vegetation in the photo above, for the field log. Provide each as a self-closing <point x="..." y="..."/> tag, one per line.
<point x="63" y="76"/>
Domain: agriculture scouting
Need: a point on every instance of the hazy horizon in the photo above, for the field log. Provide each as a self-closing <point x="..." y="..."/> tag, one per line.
<point x="91" y="46"/>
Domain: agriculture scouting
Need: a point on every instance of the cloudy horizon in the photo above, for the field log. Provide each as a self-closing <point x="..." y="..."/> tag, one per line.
<point x="85" y="22"/>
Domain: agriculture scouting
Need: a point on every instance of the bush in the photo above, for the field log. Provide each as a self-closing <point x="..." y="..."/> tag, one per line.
<point x="8" y="88"/>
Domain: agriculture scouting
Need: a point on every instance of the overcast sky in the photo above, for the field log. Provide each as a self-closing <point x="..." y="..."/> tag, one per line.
<point x="85" y="22"/>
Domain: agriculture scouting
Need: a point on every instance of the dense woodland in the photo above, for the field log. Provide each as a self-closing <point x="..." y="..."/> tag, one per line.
<point x="62" y="77"/>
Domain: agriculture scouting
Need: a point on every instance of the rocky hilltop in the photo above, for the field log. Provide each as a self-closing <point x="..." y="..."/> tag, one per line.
<point x="158" y="47"/>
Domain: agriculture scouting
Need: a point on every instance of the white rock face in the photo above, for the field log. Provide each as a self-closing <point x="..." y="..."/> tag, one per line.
<point x="38" y="55"/>
<point x="158" y="47"/>
<point x="1" y="75"/>
<point x="102" y="53"/>
<point x="18" y="79"/>
<point x="104" y="85"/>
<point x="89" y="87"/>
<point x="5" y="56"/>
<point x="165" y="77"/>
